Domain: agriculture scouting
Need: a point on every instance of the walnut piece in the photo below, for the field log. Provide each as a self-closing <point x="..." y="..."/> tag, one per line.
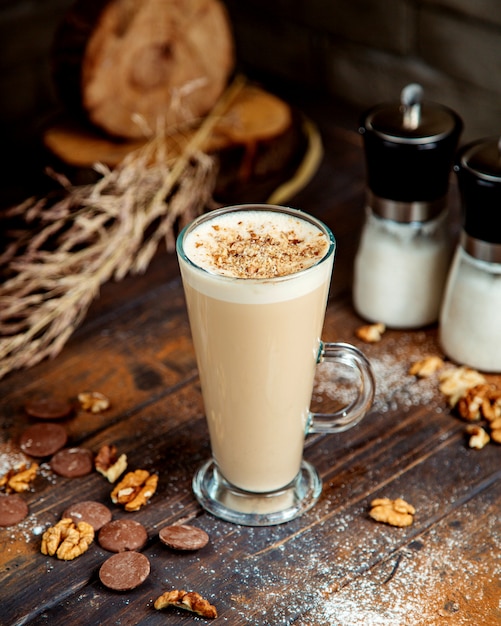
<point x="469" y="406"/>
<point x="491" y="405"/>
<point x="394" y="512"/>
<point x="18" y="479"/>
<point x="189" y="600"/>
<point x="109" y="464"/>
<point x="426" y="367"/>
<point x="371" y="333"/>
<point x="67" y="540"/>
<point x="93" y="401"/>
<point x="454" y="382"/>
<point x="478" y="437"/>
<point x="495" y="428"/>
<point x="135" y="489"/>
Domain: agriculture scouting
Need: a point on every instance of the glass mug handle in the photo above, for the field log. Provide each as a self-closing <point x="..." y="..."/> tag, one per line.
<point x="350" y="415"/>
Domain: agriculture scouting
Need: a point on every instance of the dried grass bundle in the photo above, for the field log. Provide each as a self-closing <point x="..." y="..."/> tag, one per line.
<point x="70" y="246"/>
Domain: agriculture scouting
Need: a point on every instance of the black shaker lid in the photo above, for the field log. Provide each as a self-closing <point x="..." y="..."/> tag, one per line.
<point x="478" y="170"/>
<point x="412" y="120"/>
<point x="409" y="147"/>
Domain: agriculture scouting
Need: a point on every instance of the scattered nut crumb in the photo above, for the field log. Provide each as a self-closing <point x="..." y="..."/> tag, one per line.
<point x="109" y="464"/>
<point x="478" y="437"/>
<point x="394" y="512"/>
<point x="426" y="367"/>
<point x="371" y="333"/>
<point x="135" y="489"/>
<point x="93" y="401"/>
<point x="190" y="601"/>
<point x="67" y="540"/>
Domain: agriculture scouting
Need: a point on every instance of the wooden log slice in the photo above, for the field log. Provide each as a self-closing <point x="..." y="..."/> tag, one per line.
<point x="135" y="66"/>
<point x="254" y="116"/>
<point x="258" y="141"/>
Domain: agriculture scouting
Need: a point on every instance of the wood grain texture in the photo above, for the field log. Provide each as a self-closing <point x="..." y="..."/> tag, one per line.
<point x="124" y="60"/>
<point x="334" y="565"/>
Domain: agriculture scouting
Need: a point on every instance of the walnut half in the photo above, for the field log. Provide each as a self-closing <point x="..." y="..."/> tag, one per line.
<point x="426" y="367"/>
<point x="135" y="489"/>
<point x="394" y="512"/>
<point x="188" y="600"/>
<point x="93" y="401"/>
<point x="478" y="437"/>
<point x="470" y="405"/>
<point x="20" y="478"/>
<point x="109" y="464"/>
<point x="455" y="382"/>
<point x="67" y="540"/>
<point x="371" y="333"/>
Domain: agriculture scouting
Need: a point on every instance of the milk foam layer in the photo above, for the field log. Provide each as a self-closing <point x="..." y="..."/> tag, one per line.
<point x="251" y="256"/>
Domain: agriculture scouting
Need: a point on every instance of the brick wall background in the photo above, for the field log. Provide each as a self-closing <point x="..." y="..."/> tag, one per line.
<point x="360" y="51"/>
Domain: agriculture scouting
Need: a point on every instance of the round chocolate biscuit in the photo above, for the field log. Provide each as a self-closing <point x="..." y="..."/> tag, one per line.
<point x="94" y="513"/>
<point x="48" y="408"/>
<point x="183" y="537"/>
<point x="122" y="535"/>
<point x="124" y="571"/>
<point x="72" y="462"/>
<point x="13" y="509"/>
<point x="43" y="439"/>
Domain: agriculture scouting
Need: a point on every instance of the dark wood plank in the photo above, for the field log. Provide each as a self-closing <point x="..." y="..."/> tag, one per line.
<point x="355" y="466"/>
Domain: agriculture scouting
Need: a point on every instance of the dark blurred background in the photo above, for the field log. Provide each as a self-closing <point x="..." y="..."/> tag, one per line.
<point x="358" y="52"/>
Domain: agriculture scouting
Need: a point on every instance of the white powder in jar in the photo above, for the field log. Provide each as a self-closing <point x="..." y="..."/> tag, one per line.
<point x="400" y="271"/>
<point x="470" y="320"/>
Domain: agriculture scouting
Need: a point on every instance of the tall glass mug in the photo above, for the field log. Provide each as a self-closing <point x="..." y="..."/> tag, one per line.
<point x="256" y="280"/>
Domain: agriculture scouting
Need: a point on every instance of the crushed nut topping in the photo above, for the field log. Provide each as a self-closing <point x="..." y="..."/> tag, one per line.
<point x="135" y="489"/>
<point x="478" y="437"/>
<point x="188" y="600"/>
<point x="394" y="512"/>
<point x="93" y="401"/>
<point x="19" y="479"/>
<point x="426" y="367"/>
<point x="67" y="540"/>
<point x="371" y="333"/>
<point x="109" y="464"/>
<point x="454" y="382"/>
<point x="255" y="244"/>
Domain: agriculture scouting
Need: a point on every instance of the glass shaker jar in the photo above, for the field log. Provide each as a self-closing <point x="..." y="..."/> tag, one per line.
<point x="405" y="247"/>
<point x="470" y="318"/>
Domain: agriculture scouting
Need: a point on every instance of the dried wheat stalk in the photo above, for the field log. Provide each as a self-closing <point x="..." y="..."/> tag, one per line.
<point x="93" y="233"/>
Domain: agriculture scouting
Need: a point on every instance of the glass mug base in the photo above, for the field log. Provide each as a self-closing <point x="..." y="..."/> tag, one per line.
<point x="231" y="504"/>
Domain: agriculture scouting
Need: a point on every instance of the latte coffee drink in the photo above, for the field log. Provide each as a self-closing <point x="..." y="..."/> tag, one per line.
<point x="256" y="280"/>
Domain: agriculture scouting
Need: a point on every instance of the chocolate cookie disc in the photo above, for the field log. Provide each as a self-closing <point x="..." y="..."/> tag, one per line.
<point x="48" y="408"/>
<point x="183" y="537"/>
<point x="122" y="535"/>
<point x="124" y="571"/>
<point x="72" y="462"/>
<point x="94" y="513"/>
<point x="43" y="439"/>
<point x="13" y="509"/>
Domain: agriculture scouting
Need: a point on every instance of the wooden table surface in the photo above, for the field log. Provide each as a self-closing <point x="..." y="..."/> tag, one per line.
<point x="333" y="566"/>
